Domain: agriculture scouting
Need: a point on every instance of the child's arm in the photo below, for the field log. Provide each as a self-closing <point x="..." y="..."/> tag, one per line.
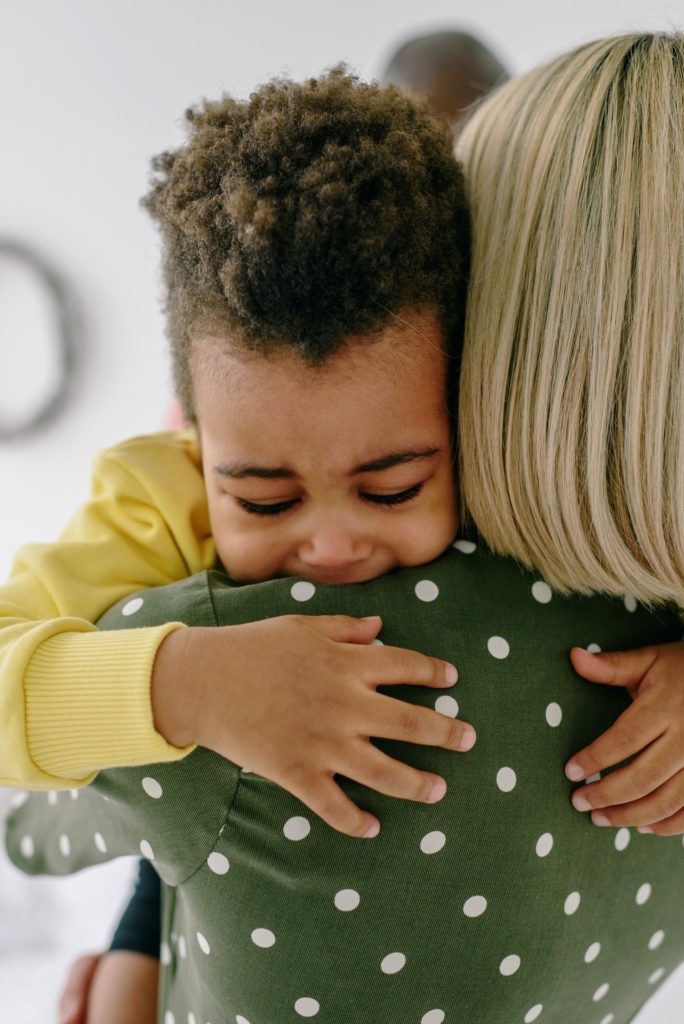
<point x="649" y="791"/>
<point x="291" y="698"/>
<point x="73" y="700"/>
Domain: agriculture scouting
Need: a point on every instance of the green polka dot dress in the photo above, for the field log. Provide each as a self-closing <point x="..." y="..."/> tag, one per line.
<point x="500" y="904"/>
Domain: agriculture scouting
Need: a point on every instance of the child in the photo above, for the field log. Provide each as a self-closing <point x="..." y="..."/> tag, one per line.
<point x="368" y="240"/>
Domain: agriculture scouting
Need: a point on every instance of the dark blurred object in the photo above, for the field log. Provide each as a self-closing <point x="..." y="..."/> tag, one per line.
<point x="65" y="337"/>
<point x="451" y="70"/>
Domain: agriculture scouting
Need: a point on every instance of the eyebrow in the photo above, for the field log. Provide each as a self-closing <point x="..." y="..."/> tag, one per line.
<point x="238" y="471"/>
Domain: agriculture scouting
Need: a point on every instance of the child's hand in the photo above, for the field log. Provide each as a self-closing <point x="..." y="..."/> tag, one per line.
<point x="294" y="699"/>
<point x="73" y="1000"/>
<point x="649" y="791"/>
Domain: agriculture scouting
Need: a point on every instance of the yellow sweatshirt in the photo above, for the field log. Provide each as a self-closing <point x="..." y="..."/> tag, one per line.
<point x="74" y="700"/>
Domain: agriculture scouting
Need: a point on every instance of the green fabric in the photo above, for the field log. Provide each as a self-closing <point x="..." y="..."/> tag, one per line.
<point x="464" y="911"/>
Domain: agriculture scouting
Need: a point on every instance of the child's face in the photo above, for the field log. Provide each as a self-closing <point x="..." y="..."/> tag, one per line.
<point x="336" y="473"/>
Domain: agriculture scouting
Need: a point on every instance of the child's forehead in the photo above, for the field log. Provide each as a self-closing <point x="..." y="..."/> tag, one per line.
<point x="410" y="342"/>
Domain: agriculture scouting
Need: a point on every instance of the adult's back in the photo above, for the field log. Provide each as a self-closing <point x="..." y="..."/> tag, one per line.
<point x="500" y="903"/>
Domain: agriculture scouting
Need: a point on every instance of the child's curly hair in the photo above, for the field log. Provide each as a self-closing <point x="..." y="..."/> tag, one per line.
<point x="306" y="214"/>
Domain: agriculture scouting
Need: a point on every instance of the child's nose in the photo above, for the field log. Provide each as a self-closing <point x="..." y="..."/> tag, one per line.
<point x="333" y="545"/>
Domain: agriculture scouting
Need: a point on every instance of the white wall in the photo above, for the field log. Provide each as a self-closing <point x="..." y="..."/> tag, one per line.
<point x="89" y="91"/>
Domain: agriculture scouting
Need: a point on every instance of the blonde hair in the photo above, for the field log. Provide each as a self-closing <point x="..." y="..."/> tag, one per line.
<point x="572" y="389"/>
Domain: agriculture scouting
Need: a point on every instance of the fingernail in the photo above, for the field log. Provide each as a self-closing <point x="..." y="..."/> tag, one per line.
<point x="599" y="819"/>
<point x="437" y="791"/>
<point x="580" y="803"/>
<point x="372" y="831"/>
<point x="468" y="739"/>
<point x="450" y="673"/>
<point x="573" y="771"/>
<point x="370" y="618"/>
<point x="645" y="829"/>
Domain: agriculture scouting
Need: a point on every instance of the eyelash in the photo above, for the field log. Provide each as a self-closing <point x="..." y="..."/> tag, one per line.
<point x="386" y="500"/>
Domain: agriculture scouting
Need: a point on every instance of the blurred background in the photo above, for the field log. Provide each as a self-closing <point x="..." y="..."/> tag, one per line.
<point x="91" y="91"/>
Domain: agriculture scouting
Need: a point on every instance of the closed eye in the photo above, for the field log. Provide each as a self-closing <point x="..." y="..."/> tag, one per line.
<point x="393" y="499"/>
<point x="280" y="507"/>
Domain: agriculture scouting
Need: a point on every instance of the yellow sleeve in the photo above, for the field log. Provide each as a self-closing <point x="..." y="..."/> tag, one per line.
<point x="74" y="700"/>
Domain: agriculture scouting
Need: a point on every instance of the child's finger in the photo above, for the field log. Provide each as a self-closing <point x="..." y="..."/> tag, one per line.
<point x="384" y="666"/>
<point x="398" y="720"/>
<point x="615" y="668"/>
<point x="346" y="629"/>
<point x="373" y="768"/>
<point x="645" y="774"/>
<point x="661" y="804"/>
<point x="323" y="796"/>
<point x="636" y="727"/>
<point x="672" y="826"/>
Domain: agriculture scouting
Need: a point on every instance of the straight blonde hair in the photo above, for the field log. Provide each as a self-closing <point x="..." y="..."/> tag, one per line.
<point x="571" y="419"/>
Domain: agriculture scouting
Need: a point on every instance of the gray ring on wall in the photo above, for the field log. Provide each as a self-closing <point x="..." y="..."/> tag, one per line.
<point x="67" y="338"/>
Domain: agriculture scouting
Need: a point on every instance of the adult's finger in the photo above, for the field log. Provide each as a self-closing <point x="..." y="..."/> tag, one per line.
<point x="73" y="1000"/>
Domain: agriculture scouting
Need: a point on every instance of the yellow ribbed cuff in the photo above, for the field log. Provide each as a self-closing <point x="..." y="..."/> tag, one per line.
<point x="88" y="703"/>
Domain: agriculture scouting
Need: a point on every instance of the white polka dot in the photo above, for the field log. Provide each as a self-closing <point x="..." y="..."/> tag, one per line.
<point x="152" y="787"/>
<point x="656" y="976"/>
<point x="165" y="954"/>
<point x="302" y="590"/>
<point x="64" y="845"/>
<point x="644" y="894"/>
<point x="630" y="602"/>
<point x="26" y="846"/>
<point x="169" y="1018"/>
<point x="608" y="1019"/>
<point x="509" y="965"/>
<point x="600" y="992"/>
<point x="100" y="842"/>
<point x="203" y="943"/>
<point x="52" y="797"/>
<point x="622" y="838"/>
<point x="218" y="863"/>
<point x="426" y="590"/>
<point x="506" y="779"/>
<point x="593" y="778"/>
<point x="74" y="794"/>
<point x="182" y="948"/>
<point x="263" y="938"/>
<point x="466" y="547"/>
<point x="19" y="799"/>
<point x="594" y="649"/>
<point x="296" y="828"/>
<point x="498" y="647"/>
<point x="541" y="592"/>
<point x="132" y="606"/>
<point x="656" y="939"/>
<point x="146" y="850"/>
<point x="544" y="845"/>
<point x="447" y="706"/>
<point x="554" y="714"/>
<point x="392" y="963"/>
<point x="572" y="903"/>
<point x="433" y="1017"/>
<point x="307" y="1007"/>
<point x="347" y="899"/>
<point x="432" y="842"/>
<point x="241" y="1020"/>
<point x="592" y="952"/>
<point x="533" y="1014"/>
<point x="474" y="906"/>
<point x="191" y="1018"/>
